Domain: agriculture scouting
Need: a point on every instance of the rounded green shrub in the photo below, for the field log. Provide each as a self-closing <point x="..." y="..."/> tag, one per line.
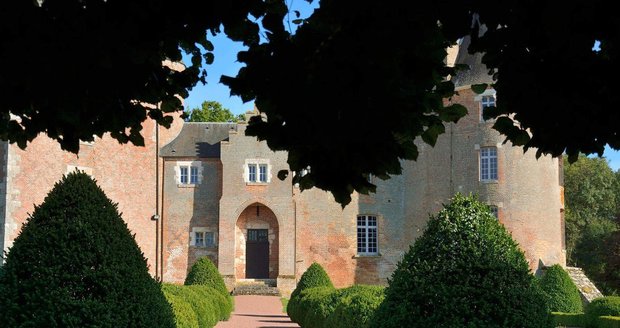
<point x="356" y="306"/>
<point x="464" y="271"/>
<point x="204" y="272"/>
<point x="315" y="305"/>
<point x="184" y="314"/>
<point x="221" y="302"/>
<point x="75" y="264"/>
<point x="602" y="306"/>
<point x="315" y="276"/>
<point x="207" y="313"/>
<point x="560" y="291"/>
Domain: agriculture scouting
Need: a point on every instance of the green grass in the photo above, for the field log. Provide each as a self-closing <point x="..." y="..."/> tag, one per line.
<point x="284" y="303"/>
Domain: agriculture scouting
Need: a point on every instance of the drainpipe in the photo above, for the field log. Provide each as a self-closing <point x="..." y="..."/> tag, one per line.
<point x="156" y="200"/>
<point x="161" y="247"/>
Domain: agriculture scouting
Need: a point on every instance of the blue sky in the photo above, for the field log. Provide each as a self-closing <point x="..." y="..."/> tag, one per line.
<point x="225" y="63"/>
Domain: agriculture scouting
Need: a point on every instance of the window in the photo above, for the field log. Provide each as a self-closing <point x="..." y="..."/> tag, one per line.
<point x="209" y="238"/>
<point x="494" y="210"/>
<point x="257" y="171"/>
<point x="488" y="164"/>
<point x="252" y="172"/>
<point x="262" y="169"/>
<point x="183" y="175"/>
<point x="200" y="237"/>
<point x="194" y="175"/>
<point x="485" y="102"/>
<point x="189" y="173"/>
<point x="367" y="235"/>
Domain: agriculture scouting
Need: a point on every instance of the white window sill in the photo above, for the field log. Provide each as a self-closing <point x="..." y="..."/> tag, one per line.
<point x="489" y="181"/>
<point x="247" y="183"/>
<point x="184" y="185"/>
<point x="363" y="256"/>
<point x="207" y="246"/>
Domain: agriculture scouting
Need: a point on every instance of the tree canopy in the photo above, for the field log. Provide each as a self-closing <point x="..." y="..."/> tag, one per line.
<point x="212" y="111"/>
<point x="592" y="194"/>
<point x="346" y="95"/>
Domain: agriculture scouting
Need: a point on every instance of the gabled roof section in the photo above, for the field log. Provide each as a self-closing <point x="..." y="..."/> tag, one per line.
<point x="477" y="73"/>
<point x="200" y="140"/>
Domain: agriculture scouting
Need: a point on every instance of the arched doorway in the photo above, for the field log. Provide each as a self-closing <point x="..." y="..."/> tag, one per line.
<point x="257" y="243"/>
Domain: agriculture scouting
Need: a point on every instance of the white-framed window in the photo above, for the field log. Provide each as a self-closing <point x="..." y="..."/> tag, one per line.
<point x="183" y="175"/>
<point x="488" y="164"/>
<point x="188" y="173"/>
<point x="494" y="210"/>
<point x="252" y="172"/>
<point x="262" y="173"/>
<point x="193" y="178"/>
<point x="199" y="238"/>
<point x="202" y="237"/>
<point x="486" y="102"/>
<point x="367" y="235"/>
<point x="257" y="171"/>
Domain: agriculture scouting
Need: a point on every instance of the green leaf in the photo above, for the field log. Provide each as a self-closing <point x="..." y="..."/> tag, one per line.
<point x="479" y="88"/>
<point x="430" y="135"/>
<point x="452" y="113"/>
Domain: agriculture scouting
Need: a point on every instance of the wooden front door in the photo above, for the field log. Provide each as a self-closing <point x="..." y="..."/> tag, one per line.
<point x="257" y="254"/>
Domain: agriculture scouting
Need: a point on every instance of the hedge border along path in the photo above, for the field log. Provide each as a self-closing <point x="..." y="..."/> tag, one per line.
<point x="257" y="311"/>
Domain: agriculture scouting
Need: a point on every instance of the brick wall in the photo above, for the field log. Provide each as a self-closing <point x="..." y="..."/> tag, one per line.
<point x="126" y="174"/>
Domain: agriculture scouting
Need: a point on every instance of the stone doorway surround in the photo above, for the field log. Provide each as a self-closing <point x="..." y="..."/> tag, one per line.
<point x="278" y="219"/>
<point x="256" y="217"/>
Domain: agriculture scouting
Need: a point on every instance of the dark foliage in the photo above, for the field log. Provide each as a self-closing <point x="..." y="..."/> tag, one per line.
<point x="315" y="276"/>
<point x="75" y="264"/>
<point x="464" y="271"/>
<point x="561" y="293"/>
<point x="80" y="68"/>
<point x="613" y="261"/>
<point x="592" y="192"/>
<point x="602" y="306"/>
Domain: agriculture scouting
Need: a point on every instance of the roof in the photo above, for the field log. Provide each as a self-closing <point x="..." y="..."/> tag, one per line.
<point x="477" y="73"/>
<point x="198" y="140"/>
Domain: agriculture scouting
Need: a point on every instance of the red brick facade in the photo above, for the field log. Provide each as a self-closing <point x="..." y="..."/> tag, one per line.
<point x="214" y="192"/>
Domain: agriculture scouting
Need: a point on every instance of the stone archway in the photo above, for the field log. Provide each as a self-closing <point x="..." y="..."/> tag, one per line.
<point x="257" y="243"/>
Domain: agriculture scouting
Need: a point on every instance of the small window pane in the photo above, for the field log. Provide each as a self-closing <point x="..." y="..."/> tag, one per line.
<point x="209" y="238"/>
<point x="494" y="211"/>
<point x="252" y="172"/>
<point x="262" y="172"/>
<point x="194" y="175"/>
<point x="488" y="163"/>
<point x="199" y="238"/>
<point x="183" y="177"/>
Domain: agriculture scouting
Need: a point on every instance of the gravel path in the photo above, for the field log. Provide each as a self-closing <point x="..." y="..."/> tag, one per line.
<point x="253" y="311"/>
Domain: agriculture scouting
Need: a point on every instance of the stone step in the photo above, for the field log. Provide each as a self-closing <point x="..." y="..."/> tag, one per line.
<point x="255" y="289"/>
<point x="263" y="282"/>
